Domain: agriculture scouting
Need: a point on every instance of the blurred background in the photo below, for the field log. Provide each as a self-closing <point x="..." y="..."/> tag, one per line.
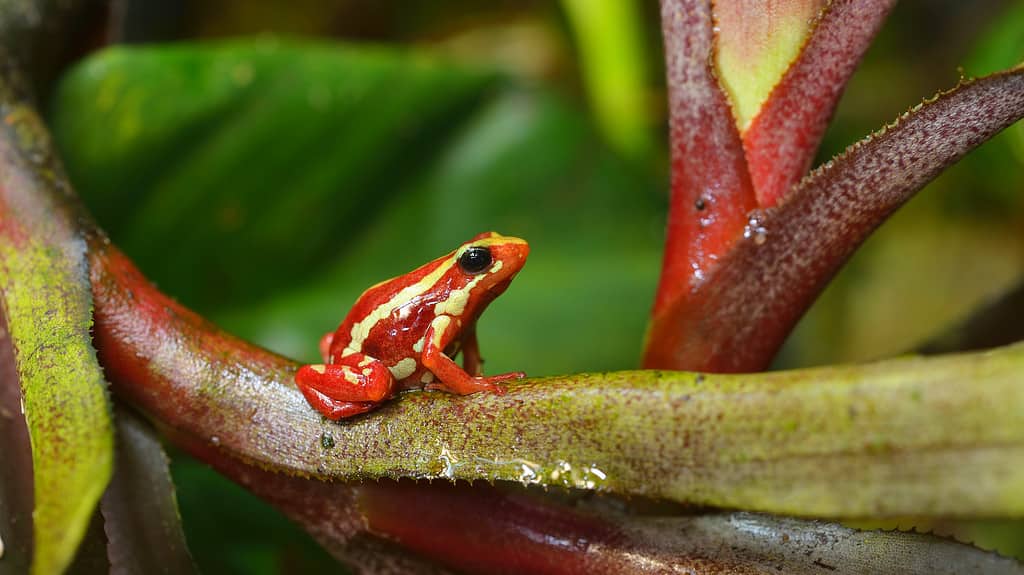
<point x="265" y="161"/>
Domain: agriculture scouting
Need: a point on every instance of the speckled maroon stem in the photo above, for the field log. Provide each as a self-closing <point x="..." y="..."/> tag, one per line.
<point x="783" y="137"/>
<point x="711" y="190"/>
<point x="737" y="319"/>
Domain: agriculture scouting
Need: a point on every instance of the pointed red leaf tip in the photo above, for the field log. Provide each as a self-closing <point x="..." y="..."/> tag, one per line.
<point x="760" y="289"/>
<point x="783" y="137"/>
<point x="711" y="191"/>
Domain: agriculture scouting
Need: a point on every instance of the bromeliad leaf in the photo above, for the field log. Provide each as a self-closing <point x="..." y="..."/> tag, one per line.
<point x="756" y="44"/>
<point x="782" y="138"/>
<point x="16" y="472"/>
<point x="46" y="301"/>
<point x="738" y="320"/>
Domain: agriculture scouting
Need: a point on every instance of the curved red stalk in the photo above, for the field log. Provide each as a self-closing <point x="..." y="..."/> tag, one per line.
<point x="488" y="530"/>
<point x="711" y="191"/>
<point x="740" y="317"/>
<point x="784" y="136"/>
<point x="469" y="528"/>
<point x="473" y="529"/>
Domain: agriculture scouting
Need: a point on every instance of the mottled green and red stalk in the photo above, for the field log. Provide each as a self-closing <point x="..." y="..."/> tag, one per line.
<point x="736" y="279"/>
<point x="45" y="299"/>
<point x="676" y="436"/>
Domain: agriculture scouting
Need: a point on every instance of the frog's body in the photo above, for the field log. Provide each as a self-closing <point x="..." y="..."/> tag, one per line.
<point x="402" y="333"/>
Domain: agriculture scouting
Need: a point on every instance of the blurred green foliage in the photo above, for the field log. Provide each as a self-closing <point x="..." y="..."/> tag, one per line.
<point x="267" y="182"/>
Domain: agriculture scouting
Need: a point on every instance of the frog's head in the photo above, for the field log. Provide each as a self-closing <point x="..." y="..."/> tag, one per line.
<point x="486" y="265"/>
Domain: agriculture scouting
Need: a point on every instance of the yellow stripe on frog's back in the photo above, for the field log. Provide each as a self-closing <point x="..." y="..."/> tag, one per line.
<point x="361" y="329"/>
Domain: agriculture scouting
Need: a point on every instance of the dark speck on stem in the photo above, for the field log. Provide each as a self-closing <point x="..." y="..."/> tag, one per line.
<point x="326" y="440"/>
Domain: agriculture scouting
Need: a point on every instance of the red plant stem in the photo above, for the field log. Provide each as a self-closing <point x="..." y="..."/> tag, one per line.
<point x="717" y="179"/>
<point x="487" y="530"/>
<point x="711" y="191"/>
<point x="784" y="136"/>
<point x="475" y="528"/>
<point x="740" y="318"/>
<point x="149" y="345"/>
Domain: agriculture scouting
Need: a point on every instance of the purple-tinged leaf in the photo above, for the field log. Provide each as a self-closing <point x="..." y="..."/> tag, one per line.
<point x="91" y="556"/>
<point x="784" y="136"/>
<point x="16" y="492"/>
<point x="140" y="512"/>
<point x="711" y="191"/>
<point x="788" y="253"/>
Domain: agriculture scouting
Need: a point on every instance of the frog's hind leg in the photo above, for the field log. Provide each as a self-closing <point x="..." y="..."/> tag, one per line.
<point x="334" y="409"/>
<point x="332" y="388"/>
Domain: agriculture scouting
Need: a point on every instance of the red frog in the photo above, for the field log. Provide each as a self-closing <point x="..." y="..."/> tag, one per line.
<point x="403" y="333"/>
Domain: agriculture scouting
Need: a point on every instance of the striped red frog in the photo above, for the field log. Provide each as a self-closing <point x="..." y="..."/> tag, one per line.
<point x="403" y="333"/>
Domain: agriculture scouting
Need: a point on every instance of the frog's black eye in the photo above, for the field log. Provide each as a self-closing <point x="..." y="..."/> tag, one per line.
<point x="475" y="260"/>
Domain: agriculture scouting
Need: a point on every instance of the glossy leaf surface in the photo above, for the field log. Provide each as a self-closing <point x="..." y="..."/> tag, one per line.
<point x="173" y="129"/>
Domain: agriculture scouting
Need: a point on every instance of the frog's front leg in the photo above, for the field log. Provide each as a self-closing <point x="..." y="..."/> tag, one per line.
<point x="356" y="384"/>
<point x="450" y="376"/>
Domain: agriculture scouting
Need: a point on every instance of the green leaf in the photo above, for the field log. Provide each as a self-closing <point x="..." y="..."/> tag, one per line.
<point x="277" y="153"/>
<point x="497" y="164"/>
<point x="508" y="162"/>
<point x="609" y="38"/>
<point x="47" y="303"/>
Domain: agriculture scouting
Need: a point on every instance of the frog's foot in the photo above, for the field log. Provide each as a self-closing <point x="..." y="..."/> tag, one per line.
<point x="341" y="390"/>
<point x="468" y="385"/>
